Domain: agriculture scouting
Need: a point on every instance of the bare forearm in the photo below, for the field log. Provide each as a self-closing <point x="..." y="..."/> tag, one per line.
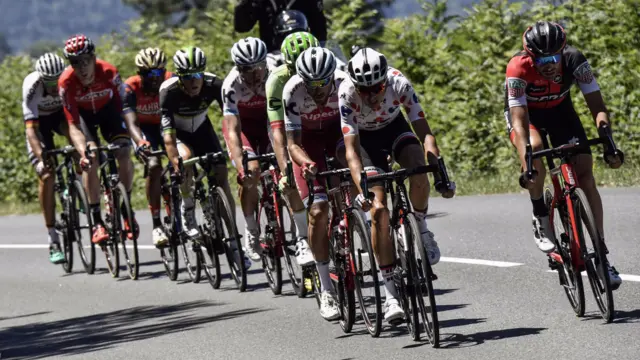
<point x="133" y="127"/>
<point x="298" y="155"/>
<point x="235" y="145"/>
<point x="355" y="165"/>
<point x="172" y="150"/>
<point x="78" y="139"/>
<point x="280" y="148"/>
<point x="34" y="142"/>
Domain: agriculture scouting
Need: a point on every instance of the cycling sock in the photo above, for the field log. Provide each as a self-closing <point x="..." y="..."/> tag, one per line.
<point x="325" y="277"/>
<point x="251" y="224"/>
<point x="300" y="219"/>
<point x="421" y="216"/>
<point x="389" y="284"/>
<point x="53" y="235"/>
<point x="155" y="216"/>
<point x="95" y="213"/>
<point x="539" y="208"/>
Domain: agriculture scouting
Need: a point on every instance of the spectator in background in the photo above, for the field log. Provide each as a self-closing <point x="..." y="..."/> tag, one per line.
<point x="265" y="12"/>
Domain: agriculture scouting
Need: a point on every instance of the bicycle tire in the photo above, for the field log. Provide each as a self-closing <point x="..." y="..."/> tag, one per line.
<point x="410" y="267"/>
<point x="237" y="268"/>
<point x="346" y="296"/>
<point x="424" y="272"/>
<point x="169" y="254"/>
<point x="193" y="270"/>
<point x="63" y="227"/>
<point x="373" y="321"/>
<point x="288" y="243"/>
<point x="78" y="193"/>
<point x="270" y="259"/>
<point x="212" y="267"/>
<point x="132" y="262"/>
<point x="569" y="276"/>
<point x="596" y="271"/>
<point x="110" y="246"/>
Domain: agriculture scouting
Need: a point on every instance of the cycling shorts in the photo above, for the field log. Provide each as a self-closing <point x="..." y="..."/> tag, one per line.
<point x="108" y="119"/>
<point x="202" y="141"/>
<point x="153" y="134"/>
<point x="47" y="126"/>
<point x="255" y="139"/>
<point x="376" y="145"/>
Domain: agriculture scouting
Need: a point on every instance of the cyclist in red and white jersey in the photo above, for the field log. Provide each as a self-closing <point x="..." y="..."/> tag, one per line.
<point x="537" y="98"/>
<point x="312" y="123"/>
<point x="246" y="127"/>
<point x="92" y="93"/>
<point x="374" y="128"/>
<point x="142" y="114"/>
<point x="43" y="115"/>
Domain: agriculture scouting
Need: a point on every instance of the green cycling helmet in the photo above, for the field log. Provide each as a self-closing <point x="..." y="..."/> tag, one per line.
<point x="294" y="44"/>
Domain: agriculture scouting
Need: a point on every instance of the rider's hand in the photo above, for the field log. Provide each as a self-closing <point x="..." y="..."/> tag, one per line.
<point x="446" y="192"/>
<point x="527" y="183"/>
<point x="614" y="161"/>
<point x="85" y="163"/>
<point x="41" y="168"/>
<point x="309" y="170"/>
<point x="143" y="150"/>
<point x="363" y="203"/>
<point x="283" y="183"/>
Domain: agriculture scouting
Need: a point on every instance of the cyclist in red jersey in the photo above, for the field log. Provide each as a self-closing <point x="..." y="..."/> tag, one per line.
<point x="141" y="112"/>
<point x="538" y="99"/>
<point x="91" y="91"/>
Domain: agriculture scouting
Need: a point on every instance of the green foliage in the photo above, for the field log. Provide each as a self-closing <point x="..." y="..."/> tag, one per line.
<point x="457" y="65"/>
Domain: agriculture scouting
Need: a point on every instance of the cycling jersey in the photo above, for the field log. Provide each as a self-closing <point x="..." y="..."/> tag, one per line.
<point x="302" y="112"/>
<point x="146" y="105"/>
<point x="524" y="86"/>
<point x="106" y="87"/>
<point x="274" y="87"/>
<point x="36" y="102"/>
<point x="274" y="59"/>
<point x="185" y="113"/>
<point x="355" y="115"/>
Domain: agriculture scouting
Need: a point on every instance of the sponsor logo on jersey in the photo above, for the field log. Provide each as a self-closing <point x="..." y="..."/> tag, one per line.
<point x="227" y="96"/>
<point x="254" y="103"/>
<point x="345" y="111"/>
<point x="548" y="97"/>
<point x="557" y="79"/>
<point x="152" y="108"/>
<point x="317" y="115"/>
<point x="291" y="108"/>
<point x="94" y="95"/>
<point x="275" y="104"/>
<point x="583" y="73"/>
<point x="516" y="87"/>
<point x="50" y="103"/>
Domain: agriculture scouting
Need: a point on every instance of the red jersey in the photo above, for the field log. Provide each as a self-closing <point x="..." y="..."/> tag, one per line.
<point x="145" y="105"/>
<point x="106" y="87"/>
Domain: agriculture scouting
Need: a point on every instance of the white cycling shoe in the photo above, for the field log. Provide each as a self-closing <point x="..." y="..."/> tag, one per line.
<point x="252" y="246"/>
<point x="329" y="306"/>
<point x="431" y="247"/>
<point x="543" y="234"/>
<point x="159" y="237"/>
<point x="304" y="256"/>
<point x="392" y="310"/>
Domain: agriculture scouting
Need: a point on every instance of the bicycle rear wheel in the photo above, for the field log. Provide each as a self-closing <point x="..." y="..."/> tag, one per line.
<point x="366" y="281"/>
<point x="594" y="255"/>
<point x="65" y="232"/>
<point x="169" y="254"/>
<point x="408" y="281"/>
<point x="126" y="214"/>
<point x="80" y="223"/>
<point x="110" y="247"/>
<point x="570" y="277"/>
<point x="231" y="238"/>
<point x="288" y="243"/>
<point x="343" y="281"/>
<point x="269" y="230"/>
<point x="423" y="285"/>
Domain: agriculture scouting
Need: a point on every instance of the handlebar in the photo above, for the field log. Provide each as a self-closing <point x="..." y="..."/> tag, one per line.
<point x="208" y="158"/>
<point x="158" y="153"/>
<point x="107" y="148"/>
<point x="67" y="150"/>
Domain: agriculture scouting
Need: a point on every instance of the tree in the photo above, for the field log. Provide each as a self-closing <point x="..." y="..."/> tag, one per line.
<point x="41" y="47"/>
<point x="355" y="22"/>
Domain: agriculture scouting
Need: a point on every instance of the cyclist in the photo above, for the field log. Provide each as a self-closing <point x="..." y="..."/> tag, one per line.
<point x="286" y="23"/>
<point x="141" y="112"/>
<point x="245" y="127"/>
<point x="187" y="130"/>
<point x="292" y="46"/>
<point x="374" y="127"/>
<point x="312" y="122"/>
<point x="92" y="92"/>
<point x="537" y="98"/>
<point x="43" y="115"/>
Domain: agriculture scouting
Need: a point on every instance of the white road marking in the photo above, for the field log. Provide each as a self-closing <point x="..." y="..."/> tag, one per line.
<point x="625" y="277"/>
<point x="479" y="262"/>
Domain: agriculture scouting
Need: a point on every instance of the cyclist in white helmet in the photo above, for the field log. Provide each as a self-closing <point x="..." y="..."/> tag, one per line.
<point x="43" y="115"/>
<point x="245" y="127"/>
<point x="374" y="127"/>
<point x="312" y="123"/>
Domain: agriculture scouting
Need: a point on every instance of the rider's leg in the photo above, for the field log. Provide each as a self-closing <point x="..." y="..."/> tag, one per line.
<point x="187" y="208"/>
<point x="248" y="193"/>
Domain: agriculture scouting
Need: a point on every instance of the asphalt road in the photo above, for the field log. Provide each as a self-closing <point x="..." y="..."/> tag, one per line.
<point x="508" y="308"/>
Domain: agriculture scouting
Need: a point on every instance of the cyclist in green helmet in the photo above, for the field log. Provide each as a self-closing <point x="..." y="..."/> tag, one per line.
<point x="292" y="46"/>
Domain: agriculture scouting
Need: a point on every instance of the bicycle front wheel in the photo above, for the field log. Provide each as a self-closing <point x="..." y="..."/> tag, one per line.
<point x="80" y="223"/>
<point x="129" y="246"/>
<point x="269" y="230"/>
<point x="594" y="255"/>
<point x="288" y="243"/>
<point x="231" y="238"/>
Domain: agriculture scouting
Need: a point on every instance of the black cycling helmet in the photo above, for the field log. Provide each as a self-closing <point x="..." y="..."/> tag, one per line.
<point x="290" y="21"/>
<point x="544" y="39"/>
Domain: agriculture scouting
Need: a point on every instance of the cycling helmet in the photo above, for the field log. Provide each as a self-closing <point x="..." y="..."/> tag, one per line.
<point x="78" y="45"/>
<point x="50" y="66"/>
<point x="367" y="67"/>
<point x="294" y="44"/>
<point x="189" y="59"/>
<point x="151" y="58"/>
<point x="249" y="51"/>
<point x="316" y="63"/>
<point x="544" y="39"/>
<point x="289" y="21"/>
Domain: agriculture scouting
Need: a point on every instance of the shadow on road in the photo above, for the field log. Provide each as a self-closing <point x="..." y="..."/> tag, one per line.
<point x="632" y="316"/>
<point x="443" y="291"/>
<point x="437" y="215"/>
<point x="86" y="334"/>
<point x="452" y="341"/>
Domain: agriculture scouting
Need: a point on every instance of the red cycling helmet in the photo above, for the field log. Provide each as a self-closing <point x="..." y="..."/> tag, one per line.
<point x="78" y="45"/>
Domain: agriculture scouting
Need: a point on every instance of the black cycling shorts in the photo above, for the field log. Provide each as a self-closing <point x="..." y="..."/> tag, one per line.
<point x="378" y="144"/>
<point x="108" y="119"/>
<point x="153" y="134"/>
<point x="47" y="126"/>
<point x="202" y="141"/>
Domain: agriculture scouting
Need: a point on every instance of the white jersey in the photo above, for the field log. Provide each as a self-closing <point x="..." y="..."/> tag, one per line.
<point x="35" y="101"/>
<point x="302" y="112"/>
<point x="355" y="115"/>
<point x="274" y="59"/>
<point x="239" y="100"/>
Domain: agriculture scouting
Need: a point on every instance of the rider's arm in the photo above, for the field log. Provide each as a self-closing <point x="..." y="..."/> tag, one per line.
<point x="244" y="17"/>
<point x="275" y="112"/>
<point x="129" y="113"/>
<point x="70" y="106"/>
<point x="589" y="87"/>
<point x="293" y="123"/>
<point x="30" y="98"/>
<point x="349" y="126"/>
<point x="168" y="127"/>
<point x="516" y="102"/>
<point x="231" y="122"/>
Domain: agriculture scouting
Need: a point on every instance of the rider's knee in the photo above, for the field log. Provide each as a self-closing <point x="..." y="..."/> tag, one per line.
<point x="154" y="165"/>
<point x="379" y="213"/>
<point x="122" y="154"/>
<point x="319" y="212"/>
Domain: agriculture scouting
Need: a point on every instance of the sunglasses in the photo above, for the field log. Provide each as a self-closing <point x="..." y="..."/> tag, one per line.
<point x="373" y="89"/>
<point x="50" y="83"/>
<point x="252" y="68"/>
<point x="192" y="76"/>
<point x="80" y="61"/>
<point x="153" y="73"/>
<point x="318" y="83"/>
<point x="547" y="60"/>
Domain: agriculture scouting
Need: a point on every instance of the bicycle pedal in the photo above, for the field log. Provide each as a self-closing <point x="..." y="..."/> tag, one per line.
<point x="396" y="322"/>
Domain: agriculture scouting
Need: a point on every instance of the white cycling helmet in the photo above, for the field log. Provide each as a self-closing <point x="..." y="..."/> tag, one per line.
<point x="50" y="66"/>
<point x="316" y="63"/>
<point x="248" y="51"/>
<point x="367" y="67"/>
<point x="189" y="59"/>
